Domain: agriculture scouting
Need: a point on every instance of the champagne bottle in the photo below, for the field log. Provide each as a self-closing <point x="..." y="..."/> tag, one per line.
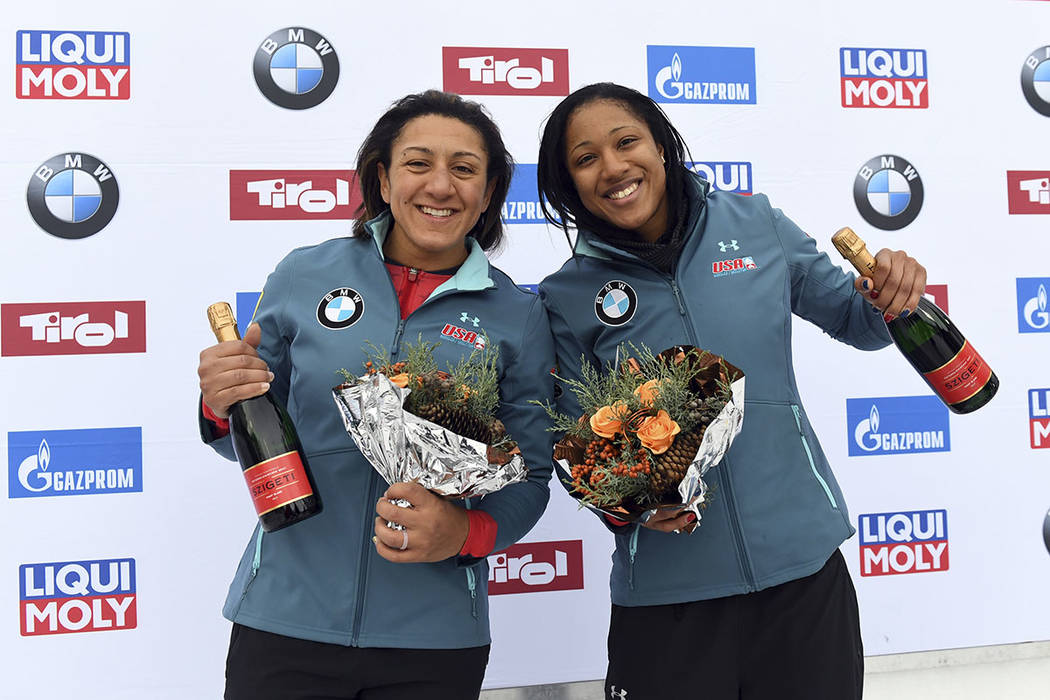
<point x="931" y="342"/>
<point x="268" y="448"/>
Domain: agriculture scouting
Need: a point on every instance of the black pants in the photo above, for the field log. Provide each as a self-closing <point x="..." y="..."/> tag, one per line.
<point x="796" y="641"/>
<point x="266" y="666"/>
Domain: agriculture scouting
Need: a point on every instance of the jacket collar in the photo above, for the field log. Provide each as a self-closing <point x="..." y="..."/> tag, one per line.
<point x="591" y="245"/>
<point x="472" y="275"/>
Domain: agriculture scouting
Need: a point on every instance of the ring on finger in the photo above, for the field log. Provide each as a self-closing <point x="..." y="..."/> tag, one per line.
<point x="404" y="540"/>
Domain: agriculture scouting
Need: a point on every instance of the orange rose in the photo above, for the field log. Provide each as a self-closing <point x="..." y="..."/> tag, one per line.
<point x="657" y="432"/>
<point x="400" y="380"/>
<point x="647" y="392"/>
<point x="608" y="420"/>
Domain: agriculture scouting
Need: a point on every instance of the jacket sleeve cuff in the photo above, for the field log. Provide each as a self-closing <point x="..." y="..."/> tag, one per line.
<point x="482" y="535"/>
<point x="219" y="426"/>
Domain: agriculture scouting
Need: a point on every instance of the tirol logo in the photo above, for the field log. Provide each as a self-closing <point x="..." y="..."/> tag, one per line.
<point x="522" y="205"/>
<point x="615" y="303"/>
<point x="938" y="294"/>
<point x="340" y="308"/>
<point x="888" y="192"/>
<point x="702" y="74"/>
<point x="530" y="567"/>
<point x="910" y="542"/>
<point x="77" y="596"/>
<point x="60" y="65"/>
<point x="1028" y="191"/>
<point x="1039" y="417"/>
<point x="473" y="70"/>
<point x="1032" y="314"/>
<point x="733" y="266"/>
<point x="897" y="425"/>
<point x="74" y="462"/>
<point x="72" y="328"/>
<point x="278" y="195"/>
<point x="72" y="195"/>
<point x="1035" y="80"/>
<point x="884" y="78"/>
<point x="296" y="68"/>
<point x="725" y="177"/>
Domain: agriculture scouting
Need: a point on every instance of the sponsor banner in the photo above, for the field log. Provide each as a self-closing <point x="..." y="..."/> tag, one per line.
<point x="77" y="596"/>
<point x="910" y="542"/>
<point x="725" y="176"/>
<point x="884" y="78"/>
<point x="888" y="192"/>
<point x="278" y="195"/>
<point x="1035" y="80"/>
<point x="245" y="303"/>
<point x="296" y="68"/>
<point x="522" y="205"/>
<point x="72" y="328"/>
<point x="474" y="70"/>
<point x="531" y="567"/>
<point x="702" y="74"/>
<point x="74" y="462"/>
<point x="72" y="195"/>
<point x="897" y="425"/>
<point x="1032" y="315"/>
<point x="1039" y="417"/>
<point x="1028" y="191"/>
<point x="938" y="294"/>
<point x="67" y="65"/>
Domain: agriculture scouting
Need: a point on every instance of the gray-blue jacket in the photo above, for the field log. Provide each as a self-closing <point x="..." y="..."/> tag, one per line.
<point x="776" y="513"/>
<point x="321" y="579"/>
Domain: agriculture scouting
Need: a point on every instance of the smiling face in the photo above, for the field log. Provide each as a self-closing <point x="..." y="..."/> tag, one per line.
<point x="617" y="168"/>
<point x="436" y="187"/>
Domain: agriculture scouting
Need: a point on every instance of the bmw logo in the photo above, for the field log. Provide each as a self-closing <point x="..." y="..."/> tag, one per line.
<point x="888" y="192"/>
<point x="1035" y="80"/>
<point x="615" y="303"/>
<point x="72" y="195"/>
<point x="340" y="308"/>
<point x="296" y="68"/>
<point x="1046" y="531"/>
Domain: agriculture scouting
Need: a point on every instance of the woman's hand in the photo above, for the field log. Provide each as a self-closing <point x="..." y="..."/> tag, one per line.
<point x="670" y="520"/>
<point x="897" y="285"/>
<point x="435" y="529"/>
<point x="233" y="371"/>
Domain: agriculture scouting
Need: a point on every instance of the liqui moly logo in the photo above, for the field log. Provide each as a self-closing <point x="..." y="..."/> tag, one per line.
<point x="1028" y="191"/>
<point x="897" y="425"/>
<point x="884" y="78"/>
<point x="725" y="177"/>
<point x="74" y="462"/>
<point x="530" y="567"/>
<point x="732" y="266"/>
<point x="903" y="543"/>
<point x="77" y="596"/>
<point x="72" y="328"/>
<point x="472" y="70"/>
<point x="1032" y="313"/>
<point x="278" y="195"/>
<point x="60" y="65"/>
<point x="1039" y="417"/>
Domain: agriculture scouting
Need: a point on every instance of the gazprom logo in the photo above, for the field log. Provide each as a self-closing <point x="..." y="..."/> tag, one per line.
<point x="725" y="176"/>
<point x="897" y="425"/>
<point x="74" y="462"/>
<point x="1032" y="314"/>
<point x="702" y="74"/>
<point x="522" y="205"/>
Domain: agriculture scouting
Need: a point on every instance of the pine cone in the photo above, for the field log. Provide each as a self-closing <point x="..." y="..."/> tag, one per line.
<point x="669" y="468"/>
<point x="457" y="420"/>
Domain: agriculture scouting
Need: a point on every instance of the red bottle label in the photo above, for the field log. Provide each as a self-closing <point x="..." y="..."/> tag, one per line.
<point x="277" y="482"/>
<point x="961" y="377"/>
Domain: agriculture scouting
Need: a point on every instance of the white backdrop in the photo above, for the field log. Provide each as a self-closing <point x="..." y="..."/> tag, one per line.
<point x="195" y="113"/>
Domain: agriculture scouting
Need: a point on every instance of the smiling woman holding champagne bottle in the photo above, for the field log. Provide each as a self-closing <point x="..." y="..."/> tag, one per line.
<point x="339" y="605"/>
<point x="757" y="603"/>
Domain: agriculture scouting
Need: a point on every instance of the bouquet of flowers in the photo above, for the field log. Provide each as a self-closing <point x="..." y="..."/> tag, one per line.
<point x="414" y="422"/>
<point x="650" y="430"/>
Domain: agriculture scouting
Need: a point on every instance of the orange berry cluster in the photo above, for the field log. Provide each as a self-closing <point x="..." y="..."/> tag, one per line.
<point x="389" y="370"/>
<point x="604" y="458"/>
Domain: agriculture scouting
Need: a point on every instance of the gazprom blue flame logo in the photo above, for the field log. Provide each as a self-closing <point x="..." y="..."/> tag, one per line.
<point x="41" y="481"/>
<point x="864" y="435"/>
<point x="1032" y="315"/>
<point x="897" y="425"/>
<point x="670" y="74"/>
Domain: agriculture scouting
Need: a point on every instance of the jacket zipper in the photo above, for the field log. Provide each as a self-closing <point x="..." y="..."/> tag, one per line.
<point x="809" y="455"/>
<point x="472" y="583"/>
<point x="632" y="549"/>
<point x="256" y="562"/>
<point x="362" y="570"/>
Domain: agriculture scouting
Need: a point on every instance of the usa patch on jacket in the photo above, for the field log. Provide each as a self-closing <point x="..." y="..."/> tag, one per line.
<point x="721" y="268"/>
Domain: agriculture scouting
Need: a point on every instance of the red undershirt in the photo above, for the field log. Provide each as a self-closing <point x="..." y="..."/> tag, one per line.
<point x="413" y="287"/>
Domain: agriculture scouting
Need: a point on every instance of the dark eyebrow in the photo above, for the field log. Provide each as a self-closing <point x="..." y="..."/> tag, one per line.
<point x="429" y="152"/>
<point x="611" y="131"/>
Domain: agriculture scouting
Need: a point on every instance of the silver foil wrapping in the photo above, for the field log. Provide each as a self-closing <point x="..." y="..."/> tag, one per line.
<point x="692" y="489"/>
<point x="404" y="447"/>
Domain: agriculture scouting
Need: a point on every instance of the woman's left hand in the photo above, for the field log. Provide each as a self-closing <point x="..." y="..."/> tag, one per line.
<point x="435" y="529"/>
<point x="896" y="286"/>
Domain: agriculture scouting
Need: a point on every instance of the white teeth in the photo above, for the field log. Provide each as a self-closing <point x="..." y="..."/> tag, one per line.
<point x="436" y="212"/>
<point x="624" y="192"/>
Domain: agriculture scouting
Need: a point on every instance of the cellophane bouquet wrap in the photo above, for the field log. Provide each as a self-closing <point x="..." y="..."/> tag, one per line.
<point x="651" y="428"/>
<point x="414" y="422"/>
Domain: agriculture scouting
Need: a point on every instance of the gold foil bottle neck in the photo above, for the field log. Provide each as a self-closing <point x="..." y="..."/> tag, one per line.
<point x="223" y="322"/>
<point x="850" y="245"/>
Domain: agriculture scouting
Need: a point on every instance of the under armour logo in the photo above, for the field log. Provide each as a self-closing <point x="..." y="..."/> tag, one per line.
<point x="465" y="317"/>
<point x="724" y="247"/>
<point x="614" y="693"/>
